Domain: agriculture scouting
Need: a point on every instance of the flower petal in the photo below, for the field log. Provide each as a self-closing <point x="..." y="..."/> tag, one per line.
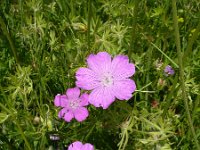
<point x="73" y="93"/>
<point x="62" y="112"/>
<point x="169" y="70"/>
<point x="87" y="146"/>
<point x="81" y="113"/>
<point x="100" y="62"/>
<point x="84" y="99"/>
<point x="86" y="79"/>
<point x="68" y="116"/>
<point x="101" y="97"/>
<point x="75" y="146"/>
<point x="123" y="89"/>
<point x="121" y="68"/>
<point x="60" y="100"/>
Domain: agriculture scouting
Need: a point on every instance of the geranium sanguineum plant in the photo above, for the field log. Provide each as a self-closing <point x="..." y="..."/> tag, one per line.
<point x="107" y="79"/>
<point x="72" y="105"/>
<point x="80" y="146"/>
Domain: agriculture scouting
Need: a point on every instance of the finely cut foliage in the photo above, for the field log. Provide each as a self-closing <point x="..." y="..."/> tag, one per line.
<point x="127" y="72"/>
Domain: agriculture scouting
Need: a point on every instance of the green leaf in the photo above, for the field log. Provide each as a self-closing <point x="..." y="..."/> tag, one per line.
<point x="3" y="117"/>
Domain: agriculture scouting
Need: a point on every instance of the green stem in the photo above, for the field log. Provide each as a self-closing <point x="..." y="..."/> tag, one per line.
<point x="89" y="20"/>
<point x="196" y="106"/>
<point x="178" y="47"/>
<point x="165" y="55"/>
<point x="149" y="58"/>
<point x="191" y="42"/>
<point x="3" y="27"/>
<point x="169" y="96"/>
<point x="132" y="45"/>
<point x="4" y="108"/>
<point x="23" y="136"/>
<point x="89" y="133"/>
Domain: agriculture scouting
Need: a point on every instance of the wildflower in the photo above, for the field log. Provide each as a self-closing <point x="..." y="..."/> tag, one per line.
<point x="80" y="146"/>
<point x="168" y="70"/>
<point x="72" y="105"/>
<point x="107" y="78"/>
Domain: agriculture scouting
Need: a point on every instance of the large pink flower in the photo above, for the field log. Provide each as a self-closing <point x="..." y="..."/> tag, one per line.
<point x="79" y="146"/>
<point x="72" y="105"/>
<point x="107" y="78"/>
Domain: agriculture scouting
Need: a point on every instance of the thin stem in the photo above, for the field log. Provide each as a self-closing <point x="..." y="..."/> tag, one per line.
<point x="165" y="55"/>
<point x="148" y="66"/>
<point x="132" y="46"/>
<point x="178" y="47"/>
<point x="3" y="27"/>
<point x="4" y="108"/>
<point x="162" y="52"/>
<point x="23" y="136"/>
<point x="89" y="133"/>
<point x="191" y="42"/>
<point x="169" y="96"/>
<point x="196" y="106"/>
<point x="89" y="20"/>
<point x="145" y="91"/>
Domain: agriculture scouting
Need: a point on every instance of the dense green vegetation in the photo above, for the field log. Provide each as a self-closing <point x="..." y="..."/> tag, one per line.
<point x="44" y="42"/>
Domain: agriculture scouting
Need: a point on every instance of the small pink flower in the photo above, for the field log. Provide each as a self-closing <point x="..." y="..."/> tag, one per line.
<point x="107" y="79"/>
<point x="168" y="70"/>
<point x="72" y="105"/>
<point x="80" y="146"/>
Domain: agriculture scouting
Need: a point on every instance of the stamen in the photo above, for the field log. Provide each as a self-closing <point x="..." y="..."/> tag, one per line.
<point x="73" y="104"/>
<point x="107" y="80"/>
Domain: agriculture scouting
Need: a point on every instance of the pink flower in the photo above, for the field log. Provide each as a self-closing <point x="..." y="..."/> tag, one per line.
<point x="72" y="105"/>
<point x="169" y="70"/>
<point x="80" y="146"/>
<point x="107" y="78"/>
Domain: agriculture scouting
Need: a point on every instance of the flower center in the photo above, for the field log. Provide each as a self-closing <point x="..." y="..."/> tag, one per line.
<point x="73" y="104"/>
<point x="107" y="80"/>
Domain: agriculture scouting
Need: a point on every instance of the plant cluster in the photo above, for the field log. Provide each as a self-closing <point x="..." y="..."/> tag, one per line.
<point x="92" y="49"/>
